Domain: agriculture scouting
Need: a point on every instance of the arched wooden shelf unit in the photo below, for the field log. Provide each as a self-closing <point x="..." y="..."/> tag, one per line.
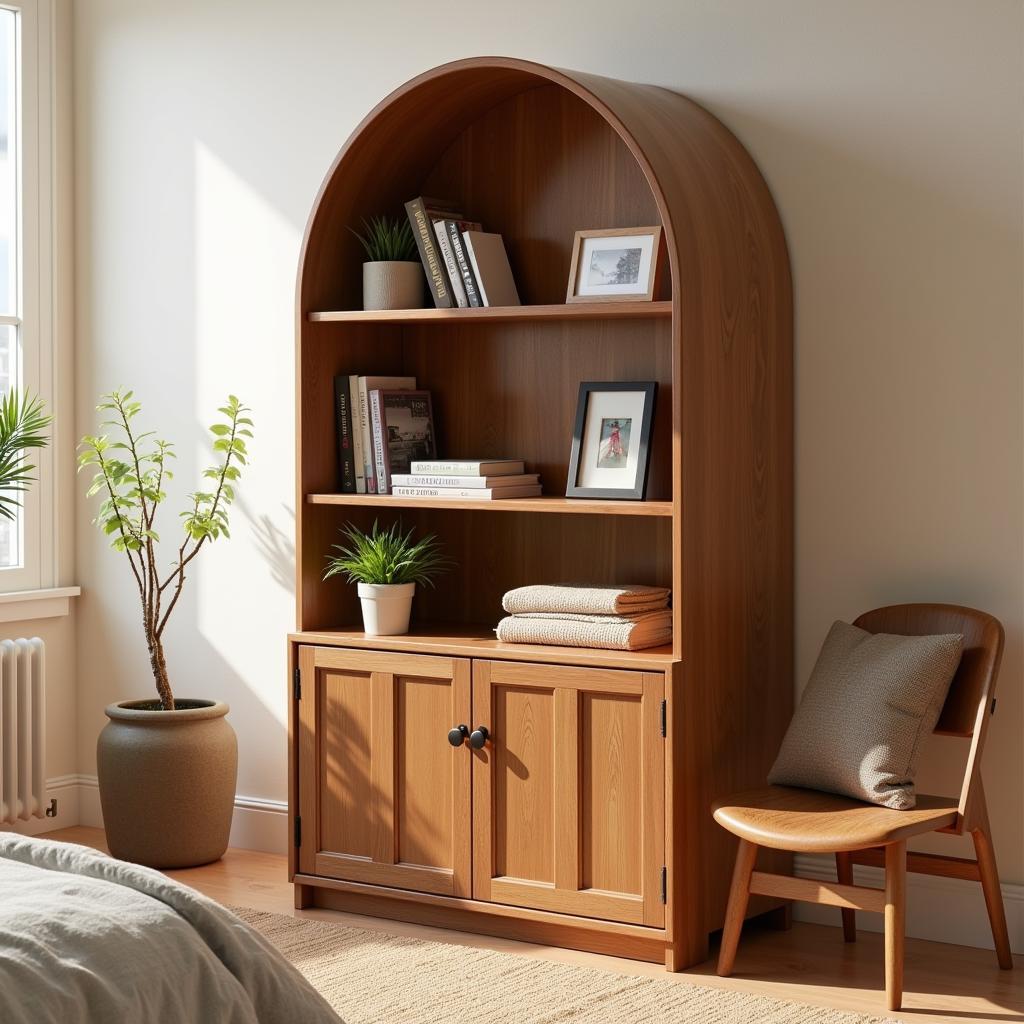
<point x="537" y="153"/>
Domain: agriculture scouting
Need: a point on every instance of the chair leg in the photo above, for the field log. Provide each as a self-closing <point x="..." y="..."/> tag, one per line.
<point x="993" y="895"/>
<point x="844" y="875"/>
<point x="895" y="921"/>
<point x="739" y="894"/>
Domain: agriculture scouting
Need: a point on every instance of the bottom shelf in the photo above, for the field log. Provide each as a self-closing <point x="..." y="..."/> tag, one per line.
<point x="464" y="641"/>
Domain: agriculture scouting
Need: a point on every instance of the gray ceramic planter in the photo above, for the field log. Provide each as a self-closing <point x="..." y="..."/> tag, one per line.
<point x="167" y="782"/>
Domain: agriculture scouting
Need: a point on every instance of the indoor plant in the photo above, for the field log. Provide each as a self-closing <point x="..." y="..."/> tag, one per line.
<point x="166" y="767"/>
<point x="386" y="565"/>
<point x="22" y="422"/>
<point x="393" y="277"/>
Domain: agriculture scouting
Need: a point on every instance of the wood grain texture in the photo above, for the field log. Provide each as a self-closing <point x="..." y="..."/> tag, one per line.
<point x="787" y="818"/>
<point x="895" y="908"/>
<point x="556" y="505"/>
<point x="568" y="810"/>
<point x="809" y="890"/>
<point x="844" y="875"/>
<point x="628" y="310"/>
<point x="537" y="153"/>
<point x="391" y="796"/>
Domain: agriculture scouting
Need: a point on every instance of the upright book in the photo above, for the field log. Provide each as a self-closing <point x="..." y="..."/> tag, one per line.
<point x="491" y="271"/>
<point x="403" y="430"/>
<point x="467" y="277"/>
<point x="344" y="424"/>
<point x="422" y="213"/>
<point x="444" y="244"/>
<point x="366" y="385"/>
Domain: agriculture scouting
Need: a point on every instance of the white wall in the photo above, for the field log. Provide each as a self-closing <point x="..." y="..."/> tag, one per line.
<point x="890" y="134"/>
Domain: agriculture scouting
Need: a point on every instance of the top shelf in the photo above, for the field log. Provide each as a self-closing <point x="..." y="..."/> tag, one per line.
<point x="501" y="314"/>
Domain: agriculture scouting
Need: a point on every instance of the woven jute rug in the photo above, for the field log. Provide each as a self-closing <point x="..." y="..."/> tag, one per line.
<point x="372" y="977"/>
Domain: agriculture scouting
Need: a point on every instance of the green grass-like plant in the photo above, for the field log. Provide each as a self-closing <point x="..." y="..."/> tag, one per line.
<point x="387" y="238"/>
<point x="386" y="556"/>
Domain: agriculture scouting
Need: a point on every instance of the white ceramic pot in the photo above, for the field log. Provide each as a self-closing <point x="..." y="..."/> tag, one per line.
<point x="392" y="284"/>
<point x="386" y="607"/>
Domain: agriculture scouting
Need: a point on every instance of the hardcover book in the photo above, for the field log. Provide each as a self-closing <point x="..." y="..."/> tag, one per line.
<point x="422" y="213"/>
<point x="469" y="281"/>
<point x="435" y="480"/>
<point x="468" y="467"/>
<point x="343" y="422"/>
<point x="357" y="434"/>
<point x="444" y="244"/>
<point x="489" y="262"/>
<point x="366" y="385"/>
<point x="468" y="493"/>
<point x="403" y="430"/>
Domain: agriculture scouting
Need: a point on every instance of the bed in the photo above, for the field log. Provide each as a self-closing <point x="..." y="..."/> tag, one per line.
<point x="87" y="938"/>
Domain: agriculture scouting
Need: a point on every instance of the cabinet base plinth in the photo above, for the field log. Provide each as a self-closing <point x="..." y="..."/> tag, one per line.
<point x="593" y="936"/>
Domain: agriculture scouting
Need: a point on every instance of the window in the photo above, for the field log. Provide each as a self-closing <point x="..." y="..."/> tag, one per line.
<point x="26" y="267"/>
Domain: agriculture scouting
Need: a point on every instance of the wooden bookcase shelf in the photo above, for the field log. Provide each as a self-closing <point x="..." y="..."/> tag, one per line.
<point x="557" y="505"/>
<point x="501" y="314"/>
<point x="592" y="787"/>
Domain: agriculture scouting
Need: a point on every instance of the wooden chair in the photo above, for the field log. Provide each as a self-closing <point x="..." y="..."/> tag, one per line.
<point x="806" y="821"/>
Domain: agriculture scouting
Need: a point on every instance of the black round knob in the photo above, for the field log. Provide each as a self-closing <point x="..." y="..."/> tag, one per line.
<point x="478" y="737"/>
<point x="457" y="736"/>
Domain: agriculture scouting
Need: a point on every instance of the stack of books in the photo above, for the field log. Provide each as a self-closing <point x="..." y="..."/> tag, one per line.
<point x="466" y="480"/>
<point x="465" y="265"/>
<point x="383" y="424"/>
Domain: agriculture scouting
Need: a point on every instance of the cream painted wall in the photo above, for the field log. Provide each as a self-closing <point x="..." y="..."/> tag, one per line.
<point x="890" y="134"/>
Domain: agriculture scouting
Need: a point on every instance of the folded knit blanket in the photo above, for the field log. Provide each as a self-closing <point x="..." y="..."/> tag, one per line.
<point x="614" y="632"/>
<point x="585" y="600"/>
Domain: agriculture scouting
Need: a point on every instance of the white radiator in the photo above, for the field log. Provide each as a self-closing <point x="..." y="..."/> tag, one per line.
<point x="22" y="730"/>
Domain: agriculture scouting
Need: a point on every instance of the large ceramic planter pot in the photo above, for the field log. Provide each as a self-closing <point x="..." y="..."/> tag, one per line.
<point x="392" y="284"/>
<point x="167" y="782"/>
<point x="386" y="607"/>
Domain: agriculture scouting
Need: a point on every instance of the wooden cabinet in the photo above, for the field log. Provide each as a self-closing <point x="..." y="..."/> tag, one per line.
<point x="561" y="809"/>
<point x="569" y="792"/>
<point x="385" y="797"/>
<point x="558" y="829"/>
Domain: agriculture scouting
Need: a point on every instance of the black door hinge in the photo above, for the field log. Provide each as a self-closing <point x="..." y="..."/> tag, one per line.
<point x="664" y="718"/>
<point x="297" y="684"/>
<point x="664" y="884"/>
<point x="298" y="830"/>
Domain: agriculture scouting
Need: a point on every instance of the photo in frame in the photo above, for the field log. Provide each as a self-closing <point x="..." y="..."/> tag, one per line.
<point x="611" y="440"/>
<point x="614" y="264"/>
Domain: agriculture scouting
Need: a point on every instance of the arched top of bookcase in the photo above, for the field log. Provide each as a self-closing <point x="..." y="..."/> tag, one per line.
<point x="683" y="167"/>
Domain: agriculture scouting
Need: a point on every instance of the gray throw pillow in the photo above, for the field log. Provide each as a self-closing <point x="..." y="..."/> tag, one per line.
<point x="871" y="701"/>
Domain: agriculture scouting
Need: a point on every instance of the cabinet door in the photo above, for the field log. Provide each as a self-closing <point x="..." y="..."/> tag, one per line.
<point x="384" y="797"/>
<point x="568" y="792"/>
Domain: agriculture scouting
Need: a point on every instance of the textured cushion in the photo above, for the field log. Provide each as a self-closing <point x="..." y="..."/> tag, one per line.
<point x="869" y="704"/>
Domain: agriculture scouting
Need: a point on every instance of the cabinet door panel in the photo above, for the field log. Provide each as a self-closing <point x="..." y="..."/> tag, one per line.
<point x="568" y="793"/>
<point x="384" y="798"/>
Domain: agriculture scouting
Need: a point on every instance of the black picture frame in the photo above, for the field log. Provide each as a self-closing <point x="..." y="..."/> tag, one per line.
<point x="638" y="490"/>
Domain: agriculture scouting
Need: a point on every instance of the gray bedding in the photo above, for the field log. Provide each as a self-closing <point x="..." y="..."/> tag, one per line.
<point x="86" y="938"/>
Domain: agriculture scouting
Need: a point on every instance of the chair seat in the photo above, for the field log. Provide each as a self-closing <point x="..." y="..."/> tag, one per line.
<point x="806" y="821"/>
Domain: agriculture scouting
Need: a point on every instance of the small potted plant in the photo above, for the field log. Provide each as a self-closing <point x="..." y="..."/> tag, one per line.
<point x="167" y="766"/>
<point x="393" y="276"/>
<point x="386" y="565"/>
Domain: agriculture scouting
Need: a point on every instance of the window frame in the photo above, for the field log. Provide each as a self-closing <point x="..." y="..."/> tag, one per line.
<point x="36" y="177"/>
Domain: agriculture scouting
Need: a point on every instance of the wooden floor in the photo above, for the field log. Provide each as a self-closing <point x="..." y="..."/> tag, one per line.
<point x="807" y="964"/>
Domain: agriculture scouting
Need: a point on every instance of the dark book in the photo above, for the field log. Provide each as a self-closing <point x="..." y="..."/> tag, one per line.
<point x="344" y="425"/>
<point x="422" y="213"/>
<point x="403" y="431"/>
<point x="469" y="281"/>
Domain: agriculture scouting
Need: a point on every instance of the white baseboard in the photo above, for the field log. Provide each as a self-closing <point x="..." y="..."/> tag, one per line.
<point x="941" y="909"/>
<point x="256" y="824"/>
<point x="66" y="791"/>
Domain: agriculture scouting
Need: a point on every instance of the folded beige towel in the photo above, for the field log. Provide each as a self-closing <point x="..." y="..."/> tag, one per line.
<point x="614" y="632"/>
<point x="585" y="600"/>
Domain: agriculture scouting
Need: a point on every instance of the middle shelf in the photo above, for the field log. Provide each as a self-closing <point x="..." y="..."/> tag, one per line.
<point x="555" y="504"/>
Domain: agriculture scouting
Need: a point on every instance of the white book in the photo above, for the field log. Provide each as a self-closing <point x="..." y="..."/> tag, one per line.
<point x="472" y="493"/>
<point x="487" y="257"/>
<point x="433" y="480"/>
<point x="357" y="434"/>
<point x="445" y="245"/>
<point x="366" y="385"/>
<point x="467" y="467"/>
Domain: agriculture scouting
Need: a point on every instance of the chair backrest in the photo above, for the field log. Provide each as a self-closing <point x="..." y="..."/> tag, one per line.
<point x="971" y="693"/>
